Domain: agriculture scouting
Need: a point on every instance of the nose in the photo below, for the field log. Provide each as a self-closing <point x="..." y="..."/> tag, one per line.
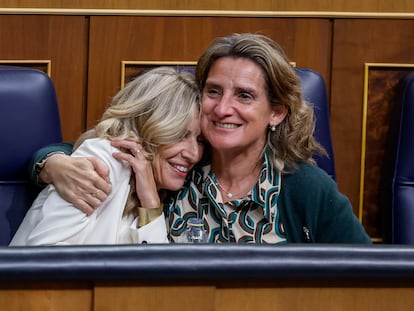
<point x="192" y="151"/>
<point x="223" y="105"/>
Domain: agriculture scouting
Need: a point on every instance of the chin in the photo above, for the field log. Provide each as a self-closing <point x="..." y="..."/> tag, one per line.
<point x="175" y="186"/>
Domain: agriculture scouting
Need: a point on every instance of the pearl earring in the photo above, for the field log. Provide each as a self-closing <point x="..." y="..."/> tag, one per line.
<point x="272" y="128"/>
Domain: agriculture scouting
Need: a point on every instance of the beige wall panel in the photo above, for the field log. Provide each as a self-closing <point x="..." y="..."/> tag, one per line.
<point x="355" y="43"/>
<point x="63" y="41"/>
<point x="259" y="5"/>
<point x="115" y="39"/>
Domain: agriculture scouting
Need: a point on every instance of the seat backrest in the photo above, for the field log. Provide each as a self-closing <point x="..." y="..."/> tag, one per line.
<point x="403" y="179"/>
<point x="314" y="91"/>
<point x="29" y="120"/>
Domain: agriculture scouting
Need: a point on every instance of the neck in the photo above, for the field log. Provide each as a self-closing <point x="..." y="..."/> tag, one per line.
<point x="236" y="175"/>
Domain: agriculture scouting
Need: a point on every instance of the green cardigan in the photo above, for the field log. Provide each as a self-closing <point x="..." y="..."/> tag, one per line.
<point x="312" y="209"/>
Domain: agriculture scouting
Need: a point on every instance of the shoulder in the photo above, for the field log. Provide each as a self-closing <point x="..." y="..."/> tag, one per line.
<point x="92" y="144"/>
<point x="309" y="175"/>
<point x="309" y="184"/>
<point x="96" y="147"/>
<point x="103" y="150"/>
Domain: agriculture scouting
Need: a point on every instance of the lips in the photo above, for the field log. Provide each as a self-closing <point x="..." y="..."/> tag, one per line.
<point x="226" y="125"/>
<point x="180" y="168"/>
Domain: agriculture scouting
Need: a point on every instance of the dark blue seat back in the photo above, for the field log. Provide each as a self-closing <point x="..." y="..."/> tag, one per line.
<point x="29" y="120"/>
<point x="403" y="180"/>
<point x="314" y="91"/>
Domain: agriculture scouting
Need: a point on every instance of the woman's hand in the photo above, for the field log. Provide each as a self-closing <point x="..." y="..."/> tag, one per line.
<point x="146" y="186"/>
<point x="84" y="182"/>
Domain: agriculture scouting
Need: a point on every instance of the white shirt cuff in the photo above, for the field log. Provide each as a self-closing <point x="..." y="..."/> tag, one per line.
<point x="152" y="233"/>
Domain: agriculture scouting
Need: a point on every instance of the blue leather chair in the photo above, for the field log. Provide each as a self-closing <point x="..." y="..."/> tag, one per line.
<point x="314" y="91"/>
<point x="29" y="120"/>
<point x="403" y="180"/>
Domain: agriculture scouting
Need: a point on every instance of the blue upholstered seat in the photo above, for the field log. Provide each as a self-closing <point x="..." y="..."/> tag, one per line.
<point x="314" y="91"/>
<point x="29" y="120"/>
<point x="403" y="180"/>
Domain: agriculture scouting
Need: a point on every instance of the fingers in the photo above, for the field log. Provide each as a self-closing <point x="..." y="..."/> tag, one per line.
<point x="84" y="207"/>
<point x="78" y="182"/>
<point x="95" y="193"/>
<point x="101" y="182"/>
<point x="137" y="151"/>
<point x="134" y="148"/>
<point x="88" y="201"/>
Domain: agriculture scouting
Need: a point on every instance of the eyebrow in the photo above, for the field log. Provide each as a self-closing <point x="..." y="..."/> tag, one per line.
<point x="211" y="84"/>
<point x="237" y="88"/>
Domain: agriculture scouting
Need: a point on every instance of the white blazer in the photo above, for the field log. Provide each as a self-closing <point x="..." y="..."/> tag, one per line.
<point x="52" y="220"/>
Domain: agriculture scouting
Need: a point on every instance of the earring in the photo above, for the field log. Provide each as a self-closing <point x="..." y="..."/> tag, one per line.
<point x="272" y="128"/>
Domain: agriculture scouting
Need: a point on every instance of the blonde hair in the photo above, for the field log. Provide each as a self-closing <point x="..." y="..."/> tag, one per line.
<point x="293" y="140"/>
<point x="153" y="109"/>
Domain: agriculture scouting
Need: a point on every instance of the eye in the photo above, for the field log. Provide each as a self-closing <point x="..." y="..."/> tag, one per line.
<point x="245" y="96"/>
<point x="212" y="91"/>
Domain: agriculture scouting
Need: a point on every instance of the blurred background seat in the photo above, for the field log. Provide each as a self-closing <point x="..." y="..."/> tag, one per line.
<point x="29" y="120"/>
<point x="403" y="179"/>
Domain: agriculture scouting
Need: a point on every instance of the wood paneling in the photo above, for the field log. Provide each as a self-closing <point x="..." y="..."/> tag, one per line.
<point x="244" y="297"/>
<point x="355" y="43"/>
<point x="240" y="296"/>
<point x="154" y="298"/>
<point x="46" y="296"/>
<point x="63" y="41"/>
<point x="258" y="5"/>
<point x="114" y="39"/>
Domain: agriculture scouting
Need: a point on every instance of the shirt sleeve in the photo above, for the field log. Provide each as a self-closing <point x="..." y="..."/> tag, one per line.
<point x="52" y="220"/>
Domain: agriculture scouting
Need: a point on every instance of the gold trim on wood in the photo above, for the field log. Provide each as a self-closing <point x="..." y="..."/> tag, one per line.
<point x="150" y="63"/>
<point x="124" y="64"/>
<point x="32" y="63"/>
<point x="367" y="68"/>
<point x="221" y="13"/>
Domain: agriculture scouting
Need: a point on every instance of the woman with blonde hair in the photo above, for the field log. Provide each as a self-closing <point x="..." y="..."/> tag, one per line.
<point x="153" y="125"/>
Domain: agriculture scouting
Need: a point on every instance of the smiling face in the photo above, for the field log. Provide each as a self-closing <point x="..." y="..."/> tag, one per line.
<point x="172" y="162"/>
<point x="236" y="111"/>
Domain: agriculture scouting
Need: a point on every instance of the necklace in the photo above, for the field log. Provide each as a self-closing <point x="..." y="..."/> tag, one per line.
<point x="228" y="193"/>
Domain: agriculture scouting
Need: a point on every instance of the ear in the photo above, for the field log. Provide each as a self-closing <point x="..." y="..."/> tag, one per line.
<point x="278" y="114"/>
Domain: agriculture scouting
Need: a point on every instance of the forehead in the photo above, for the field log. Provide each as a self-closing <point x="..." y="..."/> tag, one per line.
<point x="238" y="72"/>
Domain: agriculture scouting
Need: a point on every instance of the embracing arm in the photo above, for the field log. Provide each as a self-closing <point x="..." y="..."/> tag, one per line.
<point x="41" y="155"/>
<point x="53" y="220"/>
<point x="75" y="179"/>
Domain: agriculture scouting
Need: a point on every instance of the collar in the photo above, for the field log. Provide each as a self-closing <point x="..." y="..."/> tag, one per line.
<point x="264" y="194"/>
